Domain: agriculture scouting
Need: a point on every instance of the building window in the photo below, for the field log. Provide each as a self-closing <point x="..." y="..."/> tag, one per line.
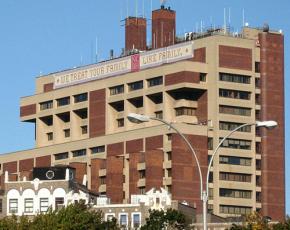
<point x="235" y="193"/>
<point x="258" y="196"/>
<point x="78" y="153"/>
<point x="98" y="149"/>
<point x="123" y="218"/>
<point x="135" y="85"/>
<point x="224" y="125"/>
<point x="66" y="132"/>
<point x="46" y="105"/>
<point x="159" y="114"/>
<point x="155" y="81"/>
<point x="258" y="164"/>
<point x="210" y="193"/>
<point x="169" y="172"/>
<point x="210" y="143"/>
<point x="210" y="178"/>
<point x="234" y="110"/>
<point x="142" y="190"/>
<point x="43" y="204"/>
<point x="169" y="156"/>
<point x="63" y="101"/>
<point x="84" y="129"/>
<point x="13" y="206"/>
<point x="1" y="205"/>
<point x="236" y="144"/>
<point x="136" y="220"/>
<point x="59" y="202"/>
<point x="236" y="78"/>
<point x="61" y="156"/>
<point x="235" y="94"/>
<point x="257" y="67"/>
<point x="81" y="97"/>
<point x="258" y="180"/>
<point x="142" y="174"/>
<point x="184" y="111"/>
<point x="257" y="83"/>
<point x="235" y="160"/>
<point x="117" y="89"/>
<point x="28" y="205"/>
<point x="49" y="136"/>
<point x="240" y="177"/>
<point x="109" y="216"/>
<point x="202" y="77"/>
<point x="103" y="180"/>
<point x="120" y="122"/>
<point x="231" y="209"/>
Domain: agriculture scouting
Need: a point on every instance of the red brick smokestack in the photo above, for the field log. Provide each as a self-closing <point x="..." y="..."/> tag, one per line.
<point x="135" y="33"/>
<point x="163" y="27"/>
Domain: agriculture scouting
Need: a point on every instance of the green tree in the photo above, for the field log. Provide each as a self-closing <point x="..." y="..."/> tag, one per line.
<point x="160" y="219"/>
<point x="73" y="217"/>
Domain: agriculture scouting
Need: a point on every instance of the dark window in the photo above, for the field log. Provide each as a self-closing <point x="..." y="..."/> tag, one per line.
<point x="258" y="147"/>
<point x="234" y="110"/>
<point x="258" y="99"/>
<point x="210" y="143"/>
<point x="117" y="89"/>
<point x="257" y="67"/>
<point x="49" y="136"/>
<point x="1" y="205"/>
<point x="159" y="114"/>
<point x="28" y="205"/>
<point x="185" y="111"/>
<point x="235" y="193"/>
<point x="59" y="202"/>
<point x="66" y="132"/>
<point x="155" y="81"/>
<point x="169" y="156"/>
<point x="236" y="144"/>
<point x="235" y="94"/>
<point x="202" y="77"/>
<point x="120" y="122"/>
<point x="142" y="174"/>
<point x="135" y="85"/>
<point x="82" y="113"/>
<point x="258" y="196"/>
<point x="243" y="161"/>
<point x="224" y="125"/>
<point x="257" y="83"/>
<point x="235" y="78"/>
<point x="258" y="181"/>
<point x="63" y="101"/>
<point x="46" y="105"/>
<point x="240" y="177"/>
<point x="258" y="164"/>
<point x="81" y="97"/>
<point x="78" y="153"/>
<point x="98" y="149"/>
<point x="136" y="220"/>
<point x="118" y="106"/>
<point x="210" y="178"/>
<point x="142" y="190"/>
<point x="123" y="220"/>
<point x="103" y="180"/>
<point x="84" y="129"/>
<point x="61" y="156"/>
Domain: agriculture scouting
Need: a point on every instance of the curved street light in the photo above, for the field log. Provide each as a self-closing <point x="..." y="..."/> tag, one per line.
<point x="138" y="118"/>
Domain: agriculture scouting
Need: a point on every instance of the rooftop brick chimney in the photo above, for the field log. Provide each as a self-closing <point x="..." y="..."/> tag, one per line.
<point x="135" y="33"/>
<point x="163" y="27"/>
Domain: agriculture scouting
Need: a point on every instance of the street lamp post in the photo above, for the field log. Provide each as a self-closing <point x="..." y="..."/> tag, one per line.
<point x="138" y="118"/>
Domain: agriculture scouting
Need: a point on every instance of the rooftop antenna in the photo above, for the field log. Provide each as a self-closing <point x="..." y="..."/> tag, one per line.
<point x="225" y="21"/>
<point x="229" y="18"/>
<point x="127" y="8"/>
<point x="243" y="18"/>
<point x="96" y="54"/>
<point x="136" y="6"/>
<point x="143" y="9"/>
<point x="162" y="2"/>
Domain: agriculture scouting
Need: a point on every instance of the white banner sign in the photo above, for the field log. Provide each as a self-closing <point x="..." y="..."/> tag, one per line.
<point x="124" y="65"/>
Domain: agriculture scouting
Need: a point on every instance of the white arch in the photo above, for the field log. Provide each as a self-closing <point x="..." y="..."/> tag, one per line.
<point x="59" y="192"/>
<point x="14" y="194"/>
<point x="43" y="193"/>
<point x="28" y="193"/>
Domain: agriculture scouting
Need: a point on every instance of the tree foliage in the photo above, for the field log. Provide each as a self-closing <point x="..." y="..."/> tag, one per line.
<point x="256" y="221"/>
<point x="160" y="219"/>
<point x="73" y="217"/>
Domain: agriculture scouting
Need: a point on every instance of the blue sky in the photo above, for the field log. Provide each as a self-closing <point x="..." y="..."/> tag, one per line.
<point x="38" y="36"/>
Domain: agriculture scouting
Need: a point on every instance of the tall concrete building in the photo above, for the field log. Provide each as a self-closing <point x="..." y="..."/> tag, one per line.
<point x="206" y="83"/>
